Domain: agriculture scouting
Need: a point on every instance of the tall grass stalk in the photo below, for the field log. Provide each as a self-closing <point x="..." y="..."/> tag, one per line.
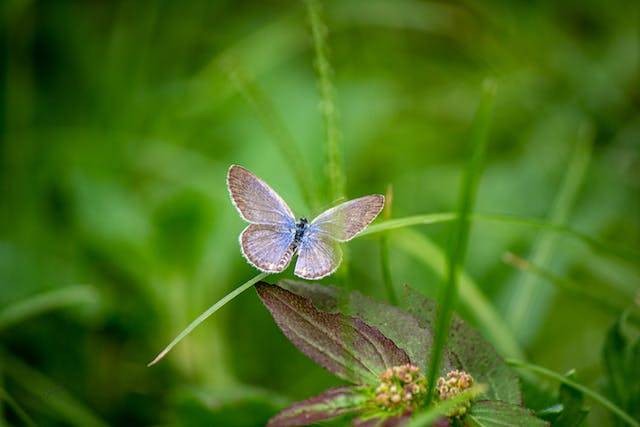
<point x="597" y="397"/>
<point x="327" y="101"/>
<point x="384" y="251"/>
<point x="460" y="236"/>
<point x="45" y="302"/>
<point x="215" y="307"/>
<point x="50" y="394"/>
<point x="273" y="123"/>
<point x="527" y="299"/>
<point x="598" y="299"/>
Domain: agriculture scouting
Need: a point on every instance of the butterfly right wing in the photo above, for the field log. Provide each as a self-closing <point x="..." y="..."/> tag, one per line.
<point x="345" y="221"/>
<point x="318" y="255"/>
<point x="255" y="200"/>
<point x="268" y="247"/>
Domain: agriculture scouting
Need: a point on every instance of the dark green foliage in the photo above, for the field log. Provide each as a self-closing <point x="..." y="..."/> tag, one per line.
<point x="621" y="357"/>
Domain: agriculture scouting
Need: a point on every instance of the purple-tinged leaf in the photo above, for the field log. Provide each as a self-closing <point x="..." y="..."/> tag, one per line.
<point x="344" y="345"/>
<point x="340" y="343"/>
<point x="471" y="351"/>
<point x="492" y="413"/>
<point x="400" y="326"/>
<point x="332" y="403"/>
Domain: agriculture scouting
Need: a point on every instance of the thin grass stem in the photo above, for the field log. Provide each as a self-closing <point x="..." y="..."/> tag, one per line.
<point x="215" y="307"/>
<point x="625" y="253"/>
<point x="601" y="301"/>
<point x="387" y="278"/>
<point x="17" y="409"/>
<point x="45" y="302"/>
<point x="460" y="236"/>
<point x="597" y="397"/>
<point x="50" y="393"/>
<point x="274" y="124"/>
<point x="327" y="100"/>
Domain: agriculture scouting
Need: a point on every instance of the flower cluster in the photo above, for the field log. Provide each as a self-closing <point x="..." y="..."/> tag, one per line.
<point x="452" y="385"/>
<point x="401" y="388"/>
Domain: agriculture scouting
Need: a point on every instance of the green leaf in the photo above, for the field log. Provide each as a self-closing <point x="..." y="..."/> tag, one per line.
<point x="333" y="403"/>
<point x="615" y="409"/>
<point x="346" y="346"/>
<point x="472" y="352"/>
<point x="487" y="413"/>
<point x="573" y="410"/>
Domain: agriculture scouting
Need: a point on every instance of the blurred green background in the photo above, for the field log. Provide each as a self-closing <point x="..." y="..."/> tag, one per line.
<point x="120" y="119"/>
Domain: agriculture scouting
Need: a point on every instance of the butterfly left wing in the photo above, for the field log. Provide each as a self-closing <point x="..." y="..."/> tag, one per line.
<point x="345" y="221"/>
<point x="318" y="255"/>
<point x="255" y="200"/>
<point x="267" y="247"/>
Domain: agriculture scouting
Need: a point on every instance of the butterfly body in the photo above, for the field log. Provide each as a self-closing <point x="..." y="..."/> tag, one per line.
<point x="301" y="227"/>
<point x="273" y="236"/>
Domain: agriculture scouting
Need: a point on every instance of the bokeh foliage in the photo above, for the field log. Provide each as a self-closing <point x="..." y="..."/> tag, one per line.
<point x="119" y="120"/>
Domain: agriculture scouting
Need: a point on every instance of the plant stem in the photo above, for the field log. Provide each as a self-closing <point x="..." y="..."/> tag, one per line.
<point x="461" y="233"/>
<point x="384" y="251"/>
<point x="274" y="124"/>
<point x="50" y="393"/>
<point x="585" y="390"/>
<point x="17" y="409"/>
<point x="215" y="307"/>
<point x="327" y="104"/>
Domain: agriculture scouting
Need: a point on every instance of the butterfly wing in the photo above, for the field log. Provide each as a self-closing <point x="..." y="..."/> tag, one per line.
<point x="268" y="247"/>
<point x="345" y="221"/>
<point x="255" y="200"/>
<point x="318" y="255"/>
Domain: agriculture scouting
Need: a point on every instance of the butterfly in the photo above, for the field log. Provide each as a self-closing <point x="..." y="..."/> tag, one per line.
<point x="274" y="235"/>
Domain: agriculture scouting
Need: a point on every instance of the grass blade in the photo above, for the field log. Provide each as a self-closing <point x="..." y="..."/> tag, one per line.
<point x="327" y="103"/>
<point x="384" y="251"/>
<point x="45" y="302"/>
<point x="576" y="386"/>
<point x="215" y="307"/>
<point x="50" y="393"/>
<point x="460" y="236"/>
<point x="274" y="124"/>
<point x="627" y="254"/>
<point x="527" y="299"/>
<point x="600" y="300"/>
<point x="17" y="409"/>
